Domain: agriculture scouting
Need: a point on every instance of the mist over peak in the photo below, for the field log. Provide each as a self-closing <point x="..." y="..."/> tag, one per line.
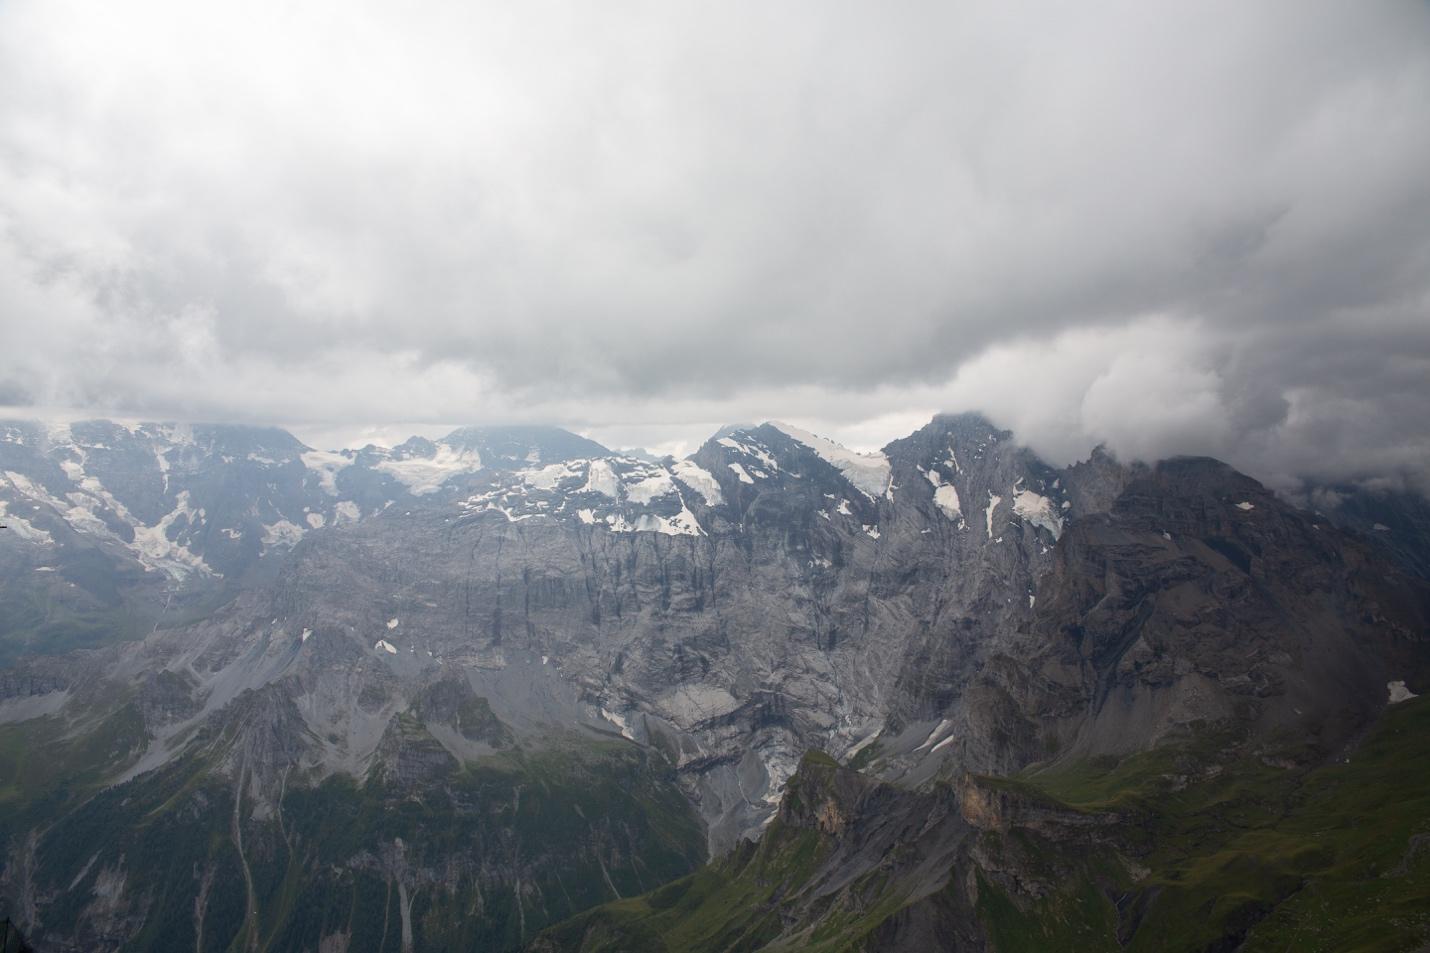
<point x="1199" y="229"/>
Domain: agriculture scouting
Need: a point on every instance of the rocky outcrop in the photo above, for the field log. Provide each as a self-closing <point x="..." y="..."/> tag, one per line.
<point x="26" y="683"/>
<point x="167" y="697"/>
<point x="451" y="703"/>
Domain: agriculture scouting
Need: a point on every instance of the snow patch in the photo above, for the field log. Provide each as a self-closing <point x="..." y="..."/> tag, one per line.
<point x="683" y="523"/>
<point x="546" y="478"/>
<point x="600" y="478"/>
<point x="423" y="475"/>
<point x="651" y="488"/>
<point x="1398" y="692"/>
<point x="945" y="496"/>
<point x="392" y="623"/>
<point x="315" y="520"/>
<point x="156" y="550"/>
<point x="755" y="452"/>
<point x="1037" y="510"/>
<point x="1246" y="505"/>
<point x="382" y="645"/>
<point x="740" y="472"/>
<point x="700" y="480"/>
<point x="870" y="473"/>
<point x="993" y="500"/>
<point x="620" y="722"/>
<point x="24" y="529"/>
<point x="151" y="544"/>
<point x="935" y="735"/>
<point x="326" y="465"/>
<point x="946" y="499"/>
<point x="506" y="511"/>
<point x="282" y="533"/>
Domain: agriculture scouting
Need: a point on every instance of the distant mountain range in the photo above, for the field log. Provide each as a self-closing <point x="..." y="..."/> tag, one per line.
<point x="453" y="694"/>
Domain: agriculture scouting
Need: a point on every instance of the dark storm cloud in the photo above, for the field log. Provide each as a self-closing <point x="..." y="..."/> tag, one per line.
<point x="1167" y="226"/>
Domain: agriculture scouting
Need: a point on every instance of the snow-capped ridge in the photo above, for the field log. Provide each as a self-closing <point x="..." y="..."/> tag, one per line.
<point x="869" y="473"/>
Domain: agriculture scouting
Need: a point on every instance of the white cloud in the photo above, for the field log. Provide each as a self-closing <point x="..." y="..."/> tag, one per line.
<point x="654" y="218"/>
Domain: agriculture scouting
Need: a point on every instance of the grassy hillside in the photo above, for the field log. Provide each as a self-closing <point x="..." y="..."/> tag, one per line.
<point x="1336" y="858"/>
<point x="475" y="855"/>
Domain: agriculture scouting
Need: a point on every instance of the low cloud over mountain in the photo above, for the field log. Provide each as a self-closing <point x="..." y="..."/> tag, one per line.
<point x="1197" y="228"/>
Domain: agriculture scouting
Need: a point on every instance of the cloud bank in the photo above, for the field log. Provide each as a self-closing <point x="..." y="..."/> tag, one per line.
<point x="1170" y="227"/>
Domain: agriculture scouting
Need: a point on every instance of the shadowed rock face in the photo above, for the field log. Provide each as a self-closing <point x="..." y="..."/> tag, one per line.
<point x="1394" y="521"/>
<point x="1200" y="598"/>
<point x="11" y="940"/>
<point x="951" y="604"/>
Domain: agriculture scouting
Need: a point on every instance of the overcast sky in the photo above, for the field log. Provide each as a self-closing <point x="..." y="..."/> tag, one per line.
<point x="1171" y="227"/>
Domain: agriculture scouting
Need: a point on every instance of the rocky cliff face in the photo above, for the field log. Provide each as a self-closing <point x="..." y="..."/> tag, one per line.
<point x="1200" y="598"/>
<point x="1208" y="718"/>
<point x="509" y="611"/>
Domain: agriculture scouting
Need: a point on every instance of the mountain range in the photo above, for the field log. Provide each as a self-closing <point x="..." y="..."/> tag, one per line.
<point x="512" y="690"/>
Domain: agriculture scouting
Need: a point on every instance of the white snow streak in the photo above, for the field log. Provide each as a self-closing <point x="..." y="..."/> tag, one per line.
<point x="869" y="473"/>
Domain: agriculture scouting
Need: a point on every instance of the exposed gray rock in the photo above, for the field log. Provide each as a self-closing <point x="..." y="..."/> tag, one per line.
<point x="950" y="604"/>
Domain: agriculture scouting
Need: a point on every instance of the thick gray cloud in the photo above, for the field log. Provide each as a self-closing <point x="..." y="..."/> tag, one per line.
<point x="1171" y="227"/>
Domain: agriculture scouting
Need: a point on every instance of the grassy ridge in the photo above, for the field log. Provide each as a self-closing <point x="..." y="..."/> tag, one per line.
<point x="730" y="905"/>
<point x="742" y="901"/>
<point x="1195" y="847"/>
<point x="1248" y="855"/>
<point x="43" y="761"/>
